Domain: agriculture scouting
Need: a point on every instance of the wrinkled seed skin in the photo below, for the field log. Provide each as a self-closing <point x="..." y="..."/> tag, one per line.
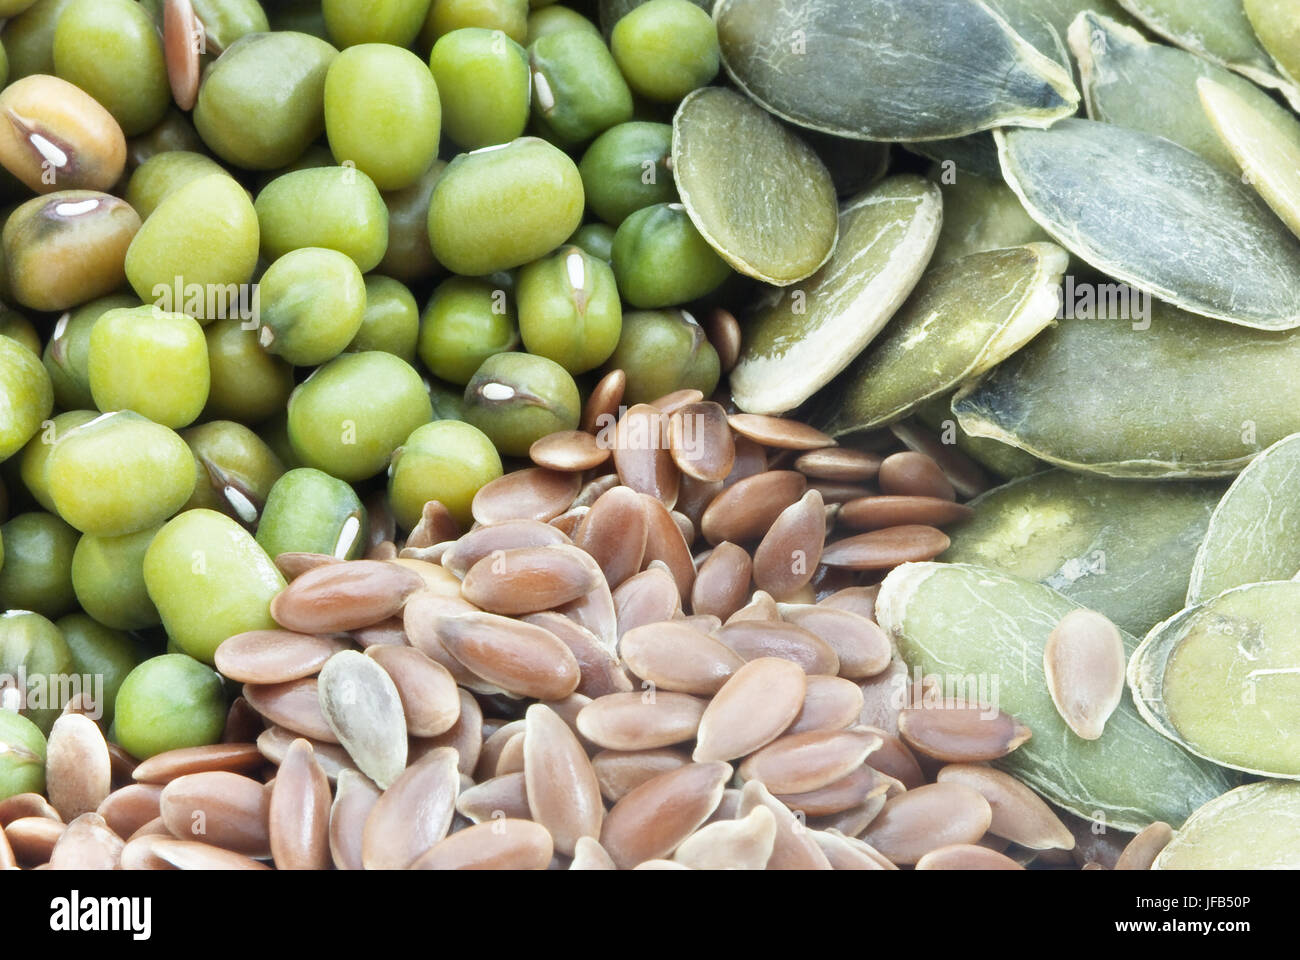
<point x="343" y="596"/>
<point x="722" y="581"/>
<point x="936" y="815"/>
<point x="804" y="762"/>
<point x="1085" y="665"/>
<point x="678" y="658"/>
<point x="759" y="701"/>
<point x="300" y="812"/>
<point x="957" y="732"/>
<point x="521" y="658"/>
<point x="641" y="720"/>
<point x="219" y="808"/>
<point x="503" y="844"/>
<point x="530" y="579"/>
<point x="563" y="793"/>
<point x="614" y="532"/>
<point x="412" y="815"/>
<point x="652" y="820"/>
<point x="1019" y="814"/>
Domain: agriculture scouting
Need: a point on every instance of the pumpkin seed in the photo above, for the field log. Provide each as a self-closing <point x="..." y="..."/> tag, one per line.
<point x="808" y="61"/>
<point x="1264" y="140"/>
<point x="1223" y="678"/>
<point x="1254" y="532"/>
<point x="962" y="319"/>
<point x="1275" y="25"/>
<point x="1161" y="410"/>
<point x="979" y="214"/>
<point x="798" y="338"/>
<point x="1249" y="828"/>
<point x="1132" y="82"/>
<point x="1150" y="212"/>
<point x="1122" y="547"/>
<point x="975" y="153"/>
<point x="1002" y="458"/>
<point x="963" y="625"/>
<point x="1217" y="30"/>
<point x="759" y="195"/>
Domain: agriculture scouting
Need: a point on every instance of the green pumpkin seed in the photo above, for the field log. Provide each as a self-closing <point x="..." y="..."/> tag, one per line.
<point x="1217" y="30"/>
<point x="980" y="213"/>
<point x="800" y="337"/>
<point x="1130" y="81"/>
<point x="807" y="61"/>
<point x="1121" y="547"/>
<point x="1160" y="409"/>
<point x="976" y="153"/>
<point x="1152" y="213"/>
<point x="1034" y="24"/>
<point x="991" y="628"/>
<point x="1223" y="678"/>
<point x="962" y="319"/>
<point x="1250" y="828"/>
<point x="757" y="194"/>
<point x="1002" y="458"/>
<point x="1254" y="533"/>
<point x="1264" y="140"/>
<point x="1278" y="30"/>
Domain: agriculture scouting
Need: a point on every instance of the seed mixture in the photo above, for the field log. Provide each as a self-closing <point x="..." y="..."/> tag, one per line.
<point x="649" y="434"/>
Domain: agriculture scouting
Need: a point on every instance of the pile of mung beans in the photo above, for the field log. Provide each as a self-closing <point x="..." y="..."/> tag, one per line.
<point x="441" y="434"/>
